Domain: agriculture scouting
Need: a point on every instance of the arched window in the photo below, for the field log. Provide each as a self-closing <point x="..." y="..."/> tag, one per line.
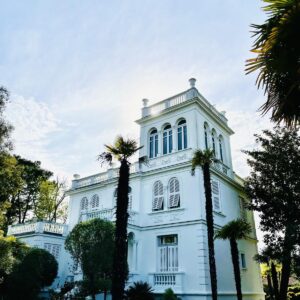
<point x="153" y="143"/>
<point x="158" y="196"/>
<point x="182" y="135"/>
<point x="174" y="193"/>
<point x="167" y="139"/>
<point x="221" y="148"/>
<point x="95" y="202"/>
<point x="206" y="136"/>
<point x="84" y="204"/>
<point x="213" y="142"/>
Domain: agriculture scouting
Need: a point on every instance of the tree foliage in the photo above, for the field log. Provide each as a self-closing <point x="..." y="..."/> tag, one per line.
<point x="274" y="189"/>
<point x="277" y="46"/>
<point x="50" y="205"/>
<point x="122" y="150"/>
<point x="169" y="295"/>
<point x="38" y="269"/>
<point x="139" y="291"/>
<point x="5" y="127"/>
<point x="91" y="245"/>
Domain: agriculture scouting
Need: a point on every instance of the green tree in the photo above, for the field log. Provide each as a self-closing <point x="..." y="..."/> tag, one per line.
<point x="122" y="150"/>
<point x="278" y="60"/>
<point x="204" y="159"/>
<point x="274" y="189"/>
<point x="5" y="127"/>
<point x="50" y="201"/>
<point x="38" y="269"/>
<point x="169" y="295"/>
<point x="139" y="291"/>
<point x="91" y="245"/>
<point x="233" y="231"/>
<point x="24" y="201"/>
<point x="12" y="251"/>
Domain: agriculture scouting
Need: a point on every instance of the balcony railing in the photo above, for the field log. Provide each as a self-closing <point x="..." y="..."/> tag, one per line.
<point x="38" y="227"/>
<point x="178" y="99"/>
<point x="160" y="281"/>
<point x="98" y="178"/>
<point x="221" y="168"/>
<point x="107" y="214"/>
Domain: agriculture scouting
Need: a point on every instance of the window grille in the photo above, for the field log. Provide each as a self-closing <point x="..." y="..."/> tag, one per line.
<point x="54" y="249"/>
<point x="168" y="253"/>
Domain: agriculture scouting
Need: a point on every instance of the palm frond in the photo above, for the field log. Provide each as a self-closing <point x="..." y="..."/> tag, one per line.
<point x="201" y="157"/>
<point x="236" y="229"/>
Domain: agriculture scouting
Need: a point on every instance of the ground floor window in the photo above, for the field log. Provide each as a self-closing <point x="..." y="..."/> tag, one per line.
<point x="243" y="261"/>
<point x="168" y="253"/>
<point x="54" y="249"/>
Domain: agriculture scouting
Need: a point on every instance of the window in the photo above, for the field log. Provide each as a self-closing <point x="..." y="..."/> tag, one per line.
<point x="243" y="261"/>
<point x="206" y="136"/>
<point x="84" y="204"/>
<point x="168" y="253"/>
<point x="158" y="196"/>
<point x="129" y="198"/>
<point x="95" y="202"/>
<point x="215" y="188"/>
<point x="167" y="140"/>
<point x="174" y="193"/>
<point x="221" y="148"/>
<point x="153" y="144"/>
<point x="54" y="249"/>
<point x="243" y="208"/>
<point x="213" y="141"/>
<point x="182" y="135"/>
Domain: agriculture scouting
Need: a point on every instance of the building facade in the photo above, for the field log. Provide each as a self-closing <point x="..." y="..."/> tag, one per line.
<point x="167" y="234"/>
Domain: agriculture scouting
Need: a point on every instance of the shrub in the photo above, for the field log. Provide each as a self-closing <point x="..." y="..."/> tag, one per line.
<point x="139" y="291"/>
<point x="169" y="295"/>
<point x="294" y="292"/>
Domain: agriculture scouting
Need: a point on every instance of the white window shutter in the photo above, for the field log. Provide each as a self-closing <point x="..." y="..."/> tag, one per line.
<point x="242" y="208"/>
<point x="174" y="193"/>
<point x="216" y="195"/>
<point x="158" y="196"/>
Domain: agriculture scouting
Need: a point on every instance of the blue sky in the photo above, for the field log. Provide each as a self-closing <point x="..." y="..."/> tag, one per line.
<point x="77" y="71"/>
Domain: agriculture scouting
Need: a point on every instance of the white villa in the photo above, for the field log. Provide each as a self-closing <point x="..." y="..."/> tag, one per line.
<point x="167" y="235"/>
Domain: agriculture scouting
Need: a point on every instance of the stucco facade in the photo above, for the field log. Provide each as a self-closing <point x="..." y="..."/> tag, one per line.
<point x="167" y="244"/>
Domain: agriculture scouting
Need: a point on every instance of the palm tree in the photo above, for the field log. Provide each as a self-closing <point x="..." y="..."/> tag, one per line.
<point x="121" y="150"/>
<point x="278" y="60"/>
<point x="204" y="159"/>
<point x="233" y="231"/>
<point x="139" y="291"/>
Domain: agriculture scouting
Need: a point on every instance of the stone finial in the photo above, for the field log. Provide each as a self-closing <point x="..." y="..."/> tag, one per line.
<point x="76" y="176"/>
<point x="192" y="82"/>
<point x="145" y="102"/>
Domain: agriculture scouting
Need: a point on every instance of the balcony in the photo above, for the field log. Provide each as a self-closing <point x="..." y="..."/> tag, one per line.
<point x="220" y="167"/>
<point x="38" y="227"/>
<point x="162" y="281"/>
<point x="108" y="214"/>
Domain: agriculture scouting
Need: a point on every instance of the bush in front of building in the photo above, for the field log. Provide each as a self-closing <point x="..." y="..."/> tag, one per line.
<point x="139" y="291"/>
<point x="294" y="292"/>
<point x="37" y="270"/>
<point x="169" y="295"/>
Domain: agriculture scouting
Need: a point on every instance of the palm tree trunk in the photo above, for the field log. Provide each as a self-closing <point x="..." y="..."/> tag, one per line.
<point x="275" y="280"/>
<point x="210" y="231"/>
<point x="236" y="268"/>
<point x="120" y="267"/>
